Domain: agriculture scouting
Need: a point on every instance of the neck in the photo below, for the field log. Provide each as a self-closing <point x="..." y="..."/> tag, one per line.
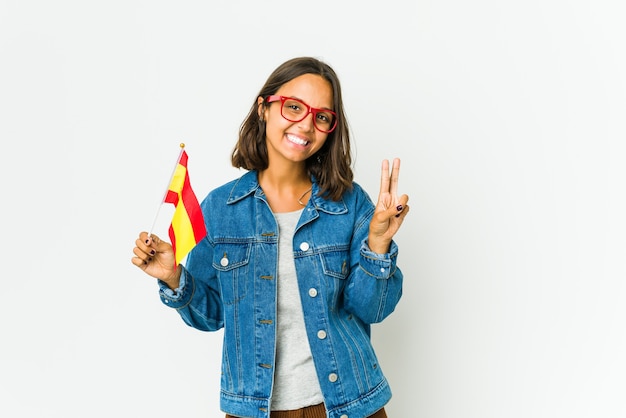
<point x="285" y="191"/>
<point x="285" y="177"/>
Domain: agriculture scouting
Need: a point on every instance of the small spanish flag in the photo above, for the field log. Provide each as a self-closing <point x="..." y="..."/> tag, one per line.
<point x="187" y="227"/>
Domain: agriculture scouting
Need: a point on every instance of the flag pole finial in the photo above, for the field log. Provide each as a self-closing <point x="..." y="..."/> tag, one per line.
<point x="182" y="145"/>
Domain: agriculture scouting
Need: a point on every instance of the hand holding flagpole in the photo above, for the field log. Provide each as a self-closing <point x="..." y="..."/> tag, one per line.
<point x="187" y="228"/>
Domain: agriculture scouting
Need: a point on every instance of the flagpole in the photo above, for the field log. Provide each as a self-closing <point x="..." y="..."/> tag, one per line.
<point x="182" y="148"/>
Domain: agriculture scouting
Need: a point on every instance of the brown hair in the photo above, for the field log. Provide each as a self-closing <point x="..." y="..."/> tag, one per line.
<point x="331" y="165"/>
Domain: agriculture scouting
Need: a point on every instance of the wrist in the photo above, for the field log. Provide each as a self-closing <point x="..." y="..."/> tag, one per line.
<point x="173" y="282"/>
<point x="378" y="246"/>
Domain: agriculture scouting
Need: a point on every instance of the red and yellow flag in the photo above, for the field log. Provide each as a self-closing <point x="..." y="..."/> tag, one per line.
<point x="187" y="227"/>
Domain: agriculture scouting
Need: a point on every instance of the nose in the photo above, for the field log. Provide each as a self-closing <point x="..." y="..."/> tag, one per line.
<point x="307" y="123"/>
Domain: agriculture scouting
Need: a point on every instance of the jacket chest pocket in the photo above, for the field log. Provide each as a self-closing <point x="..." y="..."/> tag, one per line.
<point x="232" y="262"/>
<point x="336" y="264"/>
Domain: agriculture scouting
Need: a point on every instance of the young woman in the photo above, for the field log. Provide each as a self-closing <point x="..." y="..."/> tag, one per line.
<point x="297" y="261"/>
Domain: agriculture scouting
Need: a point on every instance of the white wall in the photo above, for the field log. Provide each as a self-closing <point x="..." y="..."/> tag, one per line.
<point x="508" y="117"/>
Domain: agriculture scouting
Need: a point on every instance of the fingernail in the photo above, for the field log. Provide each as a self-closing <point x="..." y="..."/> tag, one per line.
<point x="152" y="252"/>
<point x="399" y="207"/>
<point x="398" y="215"/>
<point x="145" y="262"/>
<point x="147" y="241"/>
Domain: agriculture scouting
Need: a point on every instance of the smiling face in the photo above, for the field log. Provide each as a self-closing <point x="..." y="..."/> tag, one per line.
<point x="296" y="141"/>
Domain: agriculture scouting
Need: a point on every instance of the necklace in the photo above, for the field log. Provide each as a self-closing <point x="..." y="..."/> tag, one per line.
<point x="304" y="194"/>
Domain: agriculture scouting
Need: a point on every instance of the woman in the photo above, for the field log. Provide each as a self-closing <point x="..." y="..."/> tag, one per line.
<point x="297" y="261"/>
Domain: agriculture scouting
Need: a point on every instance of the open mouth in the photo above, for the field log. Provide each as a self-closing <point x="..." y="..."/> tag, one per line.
<point x="297" y="140"/>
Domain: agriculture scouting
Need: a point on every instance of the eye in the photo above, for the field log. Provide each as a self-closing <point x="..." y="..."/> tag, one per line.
<point x="293" y="106"/>
<point x="324" y="117"/>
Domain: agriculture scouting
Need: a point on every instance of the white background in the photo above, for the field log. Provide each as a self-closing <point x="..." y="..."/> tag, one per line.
<point x="508" y="117"/>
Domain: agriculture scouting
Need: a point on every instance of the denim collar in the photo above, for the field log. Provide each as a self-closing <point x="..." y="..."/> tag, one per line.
<point x="249" y="184"/>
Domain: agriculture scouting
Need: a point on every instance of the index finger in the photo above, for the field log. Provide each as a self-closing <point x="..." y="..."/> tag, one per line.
<point x="384" y="177"/>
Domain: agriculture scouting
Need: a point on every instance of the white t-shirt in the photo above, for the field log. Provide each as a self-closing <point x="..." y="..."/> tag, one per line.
<point x="295" y="379"/>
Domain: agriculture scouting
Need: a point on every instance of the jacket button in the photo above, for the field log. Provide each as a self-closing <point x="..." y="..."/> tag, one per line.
<point x="224" y="262"/>
<point x="312" y="292"/>
<point x="321" y="334"/>
<point x="332" y="377"/>
<point x="304" y="246"/>
<point x="343" y="416"/>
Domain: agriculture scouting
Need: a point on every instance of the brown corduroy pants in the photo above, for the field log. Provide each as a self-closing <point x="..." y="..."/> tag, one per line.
<point x="315" y="411"/>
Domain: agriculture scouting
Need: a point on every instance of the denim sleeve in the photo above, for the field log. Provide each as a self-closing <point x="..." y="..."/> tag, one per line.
<point x="375" y="282"/>
<point x="197" y="298"/>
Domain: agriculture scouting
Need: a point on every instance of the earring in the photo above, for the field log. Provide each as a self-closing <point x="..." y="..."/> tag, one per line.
<point x="319" y="159"/>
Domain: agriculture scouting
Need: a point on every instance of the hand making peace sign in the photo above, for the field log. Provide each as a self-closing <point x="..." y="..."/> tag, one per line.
<point x="390" y="209"/>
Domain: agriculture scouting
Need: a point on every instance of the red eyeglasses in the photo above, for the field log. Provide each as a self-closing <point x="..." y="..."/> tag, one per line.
<point x="295" y="110"/>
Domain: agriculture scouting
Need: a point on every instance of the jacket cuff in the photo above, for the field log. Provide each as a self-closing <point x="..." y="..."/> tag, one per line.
<point x="380" y="266"/>
<point x="179" y="297"/>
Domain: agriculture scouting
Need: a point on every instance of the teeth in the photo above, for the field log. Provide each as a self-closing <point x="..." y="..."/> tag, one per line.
<point x="297" y="140"/>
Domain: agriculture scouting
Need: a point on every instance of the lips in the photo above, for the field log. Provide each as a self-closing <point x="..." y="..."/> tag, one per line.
<point x="297" y="140"/>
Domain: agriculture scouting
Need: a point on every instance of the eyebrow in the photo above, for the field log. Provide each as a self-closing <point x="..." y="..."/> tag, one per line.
<point x="302" y="100"/>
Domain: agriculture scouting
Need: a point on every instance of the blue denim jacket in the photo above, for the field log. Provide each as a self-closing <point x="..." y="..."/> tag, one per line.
<point x="229" y="281"/>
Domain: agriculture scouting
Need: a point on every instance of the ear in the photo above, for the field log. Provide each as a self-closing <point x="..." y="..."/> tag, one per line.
<point x="260" y="107"/>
